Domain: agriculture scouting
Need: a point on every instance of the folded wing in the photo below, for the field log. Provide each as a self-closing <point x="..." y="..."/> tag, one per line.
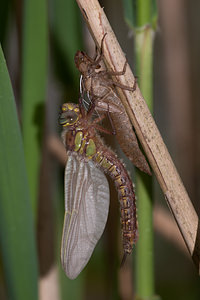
<point x="86" y="212"/>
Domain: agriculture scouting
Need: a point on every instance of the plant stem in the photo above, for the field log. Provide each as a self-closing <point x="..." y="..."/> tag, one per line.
<point x="143" y="12"/>
<point x="144" y="65"/>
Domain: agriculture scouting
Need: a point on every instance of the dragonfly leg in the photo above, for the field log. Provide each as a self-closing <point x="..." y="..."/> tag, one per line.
<point x="96" y="53"/>
<point x="95" y="125"/>
<point x="99" y="59"/>
<point x="125" y="87"/>
<point x="99" y="128"/>
<point x="111" y="82"/>
<point x="81" y="106"/>
<point x="97" y="120"/>
<point x="118" y="73"/>
<point x="91" y="109"/>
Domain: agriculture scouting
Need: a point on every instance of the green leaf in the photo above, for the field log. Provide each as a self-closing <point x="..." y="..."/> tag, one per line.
<point x="129" y="13"/>
<point x="66" y="30"/>
<point x="17" y="243"/>
<point x="139" y="13"/>
<point x="34" y="77"/>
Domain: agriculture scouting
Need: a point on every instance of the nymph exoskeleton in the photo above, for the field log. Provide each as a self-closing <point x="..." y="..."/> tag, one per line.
<point x="101" y="89"/>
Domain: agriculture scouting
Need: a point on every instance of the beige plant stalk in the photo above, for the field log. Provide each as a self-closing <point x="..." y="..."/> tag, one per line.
<point x="146" y="129"/>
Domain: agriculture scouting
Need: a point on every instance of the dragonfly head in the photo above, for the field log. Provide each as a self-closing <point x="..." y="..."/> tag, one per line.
<point x="84" y="63"/>
<point x="70" y="114"/>
<point x="81" y="61"/>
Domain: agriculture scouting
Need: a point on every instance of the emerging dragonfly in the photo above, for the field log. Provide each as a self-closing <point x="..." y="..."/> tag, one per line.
<point x="100" y="88"/>
<point x="86" y="189"/>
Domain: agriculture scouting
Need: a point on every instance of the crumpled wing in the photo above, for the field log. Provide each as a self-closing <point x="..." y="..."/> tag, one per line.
<point x="86" y="212"/>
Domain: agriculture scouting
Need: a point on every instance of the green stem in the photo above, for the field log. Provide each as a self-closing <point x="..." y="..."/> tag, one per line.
<point x="144" y="67"/>
<point x="144" y="249"/>
<point x="144" y="12"/>
<point x="34" y="69"/>
<point x="139" y="16"/>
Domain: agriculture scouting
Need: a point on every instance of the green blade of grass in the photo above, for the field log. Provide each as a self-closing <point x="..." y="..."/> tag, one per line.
<point x="16" y="223"/>
<point x="67" y="38"/>
<point x="34" y="74"/>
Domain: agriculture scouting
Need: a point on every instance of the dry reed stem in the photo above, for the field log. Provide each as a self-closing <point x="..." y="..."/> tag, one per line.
<point x="57" y="148"/>
<point x="166" y="227"/>
<point x="48" y="285"/>
<point x="146" y="129"/>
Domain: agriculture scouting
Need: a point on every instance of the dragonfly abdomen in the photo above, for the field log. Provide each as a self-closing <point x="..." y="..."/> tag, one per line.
<point x="115" y="168"/>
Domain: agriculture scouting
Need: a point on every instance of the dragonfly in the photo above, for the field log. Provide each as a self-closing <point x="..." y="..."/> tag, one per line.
<point x="87" y="191"/>
<point x="100" y="88"/>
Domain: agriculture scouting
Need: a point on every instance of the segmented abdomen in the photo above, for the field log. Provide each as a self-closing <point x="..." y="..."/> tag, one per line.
<point x="93" y="148"/>
<point x="113" y="166"/>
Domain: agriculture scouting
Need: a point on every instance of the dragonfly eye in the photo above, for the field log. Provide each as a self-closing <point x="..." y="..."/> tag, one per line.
<point x="68" y="118"/>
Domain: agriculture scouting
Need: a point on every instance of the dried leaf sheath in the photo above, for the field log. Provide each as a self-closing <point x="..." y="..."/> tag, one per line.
<point x="101" y="89"/>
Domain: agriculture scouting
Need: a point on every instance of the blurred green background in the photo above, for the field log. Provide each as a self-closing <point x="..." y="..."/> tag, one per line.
<point x="39" y="40"/>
